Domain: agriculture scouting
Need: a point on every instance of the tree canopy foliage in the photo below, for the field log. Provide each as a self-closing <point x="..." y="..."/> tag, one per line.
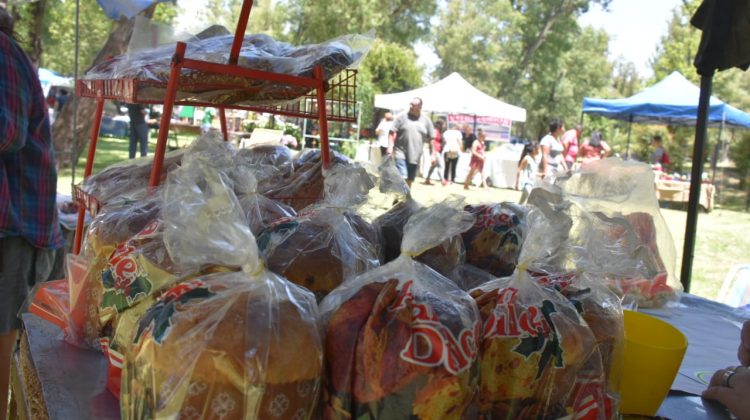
<point x="530" y="53"/>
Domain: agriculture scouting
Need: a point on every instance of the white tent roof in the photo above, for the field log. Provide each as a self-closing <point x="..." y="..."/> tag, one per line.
<point x="452" y="95"/>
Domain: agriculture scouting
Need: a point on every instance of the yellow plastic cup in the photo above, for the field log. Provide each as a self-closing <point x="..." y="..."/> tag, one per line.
<point x="652" y="356"/>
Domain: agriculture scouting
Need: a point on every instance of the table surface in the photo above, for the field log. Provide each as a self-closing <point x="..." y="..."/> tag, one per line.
<point x="74" y="380"/>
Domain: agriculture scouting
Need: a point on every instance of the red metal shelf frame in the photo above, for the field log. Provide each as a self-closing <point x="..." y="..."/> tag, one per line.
<point x="340" y="105"/>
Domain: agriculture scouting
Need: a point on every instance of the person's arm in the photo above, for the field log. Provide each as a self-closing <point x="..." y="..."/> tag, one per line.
<point x="605" y="147"/>
<point x="545" y="158"/>
<point x="391" y="142"/>
<point x="14" y="101"/>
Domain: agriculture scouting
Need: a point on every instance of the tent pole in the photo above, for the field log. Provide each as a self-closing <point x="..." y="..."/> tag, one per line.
<point x="695" y="180"/>
<point x="630" y="126"/>
<point x="715" y="158"/>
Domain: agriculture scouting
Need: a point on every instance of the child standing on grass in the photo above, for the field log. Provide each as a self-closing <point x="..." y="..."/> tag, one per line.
<point x="528" y="170"/>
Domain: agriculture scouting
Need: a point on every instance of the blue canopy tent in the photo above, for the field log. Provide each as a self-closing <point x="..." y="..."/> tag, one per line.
<point x="673" y="101"/>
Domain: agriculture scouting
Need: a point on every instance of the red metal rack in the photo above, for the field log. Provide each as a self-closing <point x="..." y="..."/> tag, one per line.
<point x="333" y="100"/>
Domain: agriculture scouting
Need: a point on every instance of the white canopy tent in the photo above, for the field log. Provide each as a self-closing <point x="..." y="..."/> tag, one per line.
<point x="452" y="95"/>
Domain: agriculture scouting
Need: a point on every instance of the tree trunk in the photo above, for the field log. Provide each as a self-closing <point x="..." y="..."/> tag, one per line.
<point x="35" y="37"/>
<point x="69" y="144"/>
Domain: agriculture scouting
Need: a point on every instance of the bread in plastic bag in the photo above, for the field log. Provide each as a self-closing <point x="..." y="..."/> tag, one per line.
<point x="534" y="342"/>
<point x="401" y="339"/>
<point x="305" y="184"/>
<point x="468" y="277"/>
<point x="622" y="194"/>
<point x="258" y="52"/>
<point x="443" y="257"/>
<point x="127" y="179"/>
<point x="495" y="240"/>
<point x="533" y="345"/>
<point x="326" y="243"/>
<point x="243" y="344"/>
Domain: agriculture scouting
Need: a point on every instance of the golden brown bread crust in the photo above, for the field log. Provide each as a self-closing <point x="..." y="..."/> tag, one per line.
<point x="443" y="258"/>
<point x="231" y="355"/>
<point x="308" y="256"/>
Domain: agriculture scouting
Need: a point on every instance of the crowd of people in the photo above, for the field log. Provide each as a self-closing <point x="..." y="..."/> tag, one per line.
<point x="410" y="134"/>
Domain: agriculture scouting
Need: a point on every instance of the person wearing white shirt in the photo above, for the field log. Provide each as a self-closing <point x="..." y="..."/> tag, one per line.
<point x="382" y="132"/>
<point x="552" y="150"/>
<point x="452" y="148"/>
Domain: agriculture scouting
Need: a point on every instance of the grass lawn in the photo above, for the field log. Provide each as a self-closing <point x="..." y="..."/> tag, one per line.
<point x="110" y="150"/>
<point x="722" y="240"/>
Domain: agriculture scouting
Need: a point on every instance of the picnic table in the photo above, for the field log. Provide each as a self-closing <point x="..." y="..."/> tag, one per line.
<point x="53" y="379"/>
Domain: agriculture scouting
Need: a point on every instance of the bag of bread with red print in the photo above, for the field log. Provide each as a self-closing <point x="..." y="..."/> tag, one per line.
<point x="534" y="343"/>
<point x="328" y="242"/>
<point x="233" y="345"/>
<point x="401" y="339"/>
<point x="495" y="240"/>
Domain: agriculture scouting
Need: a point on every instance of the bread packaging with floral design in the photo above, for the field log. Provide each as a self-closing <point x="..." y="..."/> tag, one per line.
<point x="232" y="345"/>
<point x="402" y="339"/>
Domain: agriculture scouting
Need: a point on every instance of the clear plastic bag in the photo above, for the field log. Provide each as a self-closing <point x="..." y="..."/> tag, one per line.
<point x="241" y="344"/>
<point x="258" y="52"/>
<point x="443" y="257"/>
<point x="622" y="197"/>
<point x="127" y="179"/>
<point x="401" y="339"/>
<point x="229" y="345"/>
<point x="303" y="186"/>
<point x="495" y="240"/>
<point x="468" y="277"/>
<point x="326" y="243"/>
<point x="533" y="346"/>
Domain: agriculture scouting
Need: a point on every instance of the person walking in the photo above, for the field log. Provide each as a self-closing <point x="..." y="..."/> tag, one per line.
<point x="528" y="170"/>
<point x="476" y="165"/>
<point x="207" y="121"/>
<point x="468" y="138"/>
<point x="382" y="131"/>
<point x="29" y="229"/>
<point x="552" y="150"/>
<point x="452" y="139"/>
<point x="436" y="156"/>
<point x="570" y="142"/>
<point x="410" y="131"/>
<point x="138" y="129"/>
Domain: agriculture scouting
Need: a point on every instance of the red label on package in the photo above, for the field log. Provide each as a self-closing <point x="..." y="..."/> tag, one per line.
<point x="432" y="343"/>
<point x="511" y="320"/>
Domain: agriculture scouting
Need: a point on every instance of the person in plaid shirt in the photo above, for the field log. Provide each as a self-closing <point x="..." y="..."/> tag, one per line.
<point x="29" y="230"/>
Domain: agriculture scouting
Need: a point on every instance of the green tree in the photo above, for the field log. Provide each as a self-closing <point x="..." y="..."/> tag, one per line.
<point x="388" y="68"/>
<point x="530" y="54"/>
<point x="739" y="152"/>
<point x="399" y="21"/>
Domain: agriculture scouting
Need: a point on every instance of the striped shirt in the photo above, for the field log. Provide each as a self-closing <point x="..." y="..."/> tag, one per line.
<point x="28" y="178"/>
